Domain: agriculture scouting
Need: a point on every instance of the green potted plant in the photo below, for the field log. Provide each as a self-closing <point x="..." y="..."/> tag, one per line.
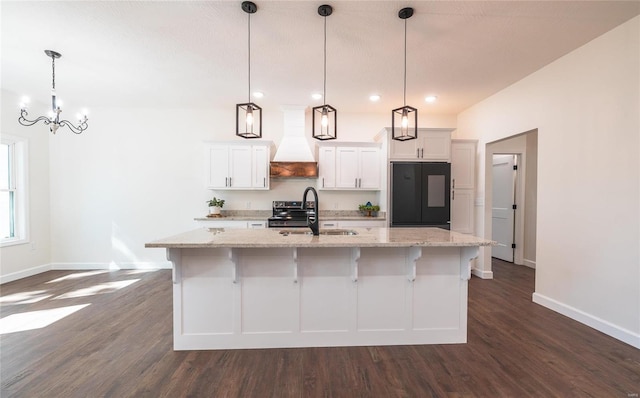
<point x="215" y="205"/>
<point x="369" y="209"/>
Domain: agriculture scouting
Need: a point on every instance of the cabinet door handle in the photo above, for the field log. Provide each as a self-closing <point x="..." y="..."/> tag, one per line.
<point x="359" y="182"/>
<point x="322" y="182"/>
<point x="453" y="195"/>
<point x="417" y="152"/>
<point x="229" y="181"/>
<point x="264" y="182"/>
<point x="454" y="184"/>
<point x="329" y="225"/>
<point x="226" y="181"/>
<point x="356" y="186"/>
<point x="422" y="153"/>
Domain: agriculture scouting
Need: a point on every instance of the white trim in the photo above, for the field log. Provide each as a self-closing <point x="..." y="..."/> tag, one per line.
<point x="529" y="263"/>
<point x="110" y="266"/>
<point x="617" y="332"/>
<point x="81" y="267"/>
<point x="482" y="274"/>
<point x="14" y="276"/>
<point x="21" y="177"/>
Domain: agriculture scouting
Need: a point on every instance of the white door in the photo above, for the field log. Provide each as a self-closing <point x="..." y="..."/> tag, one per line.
<point x="502" y="206"/>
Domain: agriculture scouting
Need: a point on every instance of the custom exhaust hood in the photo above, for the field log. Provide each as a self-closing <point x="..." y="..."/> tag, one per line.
<point x="293" y="157"/>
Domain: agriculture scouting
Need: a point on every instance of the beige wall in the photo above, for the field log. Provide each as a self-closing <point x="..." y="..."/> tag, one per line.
<point x="585" y="108"/>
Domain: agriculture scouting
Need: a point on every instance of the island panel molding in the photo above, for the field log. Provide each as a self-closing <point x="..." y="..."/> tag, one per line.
<point x="237" y="289"/>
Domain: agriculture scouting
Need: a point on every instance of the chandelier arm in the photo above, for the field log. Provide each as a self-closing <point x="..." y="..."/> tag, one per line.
<point x="74" y="129"/>
<point x="26" y="122"/>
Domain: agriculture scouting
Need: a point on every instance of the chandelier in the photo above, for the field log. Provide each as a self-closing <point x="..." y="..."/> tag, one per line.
<point x="53" y="119"/>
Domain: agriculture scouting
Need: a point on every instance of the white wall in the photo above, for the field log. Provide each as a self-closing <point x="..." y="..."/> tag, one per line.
<point x="34" y="256"/>
<point x="585" y="107"/>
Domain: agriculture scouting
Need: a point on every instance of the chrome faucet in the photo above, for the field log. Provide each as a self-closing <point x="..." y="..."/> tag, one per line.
<point x="312" y="214"/>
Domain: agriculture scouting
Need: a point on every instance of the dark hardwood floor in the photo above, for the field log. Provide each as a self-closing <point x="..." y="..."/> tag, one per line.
<point x="120" y="345"/>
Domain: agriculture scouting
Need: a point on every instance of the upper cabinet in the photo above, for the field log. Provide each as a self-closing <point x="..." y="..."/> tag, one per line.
<point x="463" y="164"/>
<point x="237" y="165"/>
<point x="432" y="145"/>
<point x="349" y="166"/>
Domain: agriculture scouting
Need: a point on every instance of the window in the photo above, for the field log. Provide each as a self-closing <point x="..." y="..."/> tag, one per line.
<point x="13" y="195"/>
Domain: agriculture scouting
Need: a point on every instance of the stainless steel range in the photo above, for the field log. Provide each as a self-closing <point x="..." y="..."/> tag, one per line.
<point x="289" y="214"/>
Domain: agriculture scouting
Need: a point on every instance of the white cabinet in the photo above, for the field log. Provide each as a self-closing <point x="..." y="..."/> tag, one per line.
<point x="364" y="223"/>
<point x="237" y="166"/>
<point x="232" y="224"/>
<point x="327" y="167"/>
<point x="432" y="145"/>
<point x="463" y="174"/>
<point x="350" y="166"/>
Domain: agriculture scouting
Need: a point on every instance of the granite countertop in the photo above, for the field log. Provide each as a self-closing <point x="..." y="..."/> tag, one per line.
<point x="272" y="238"/>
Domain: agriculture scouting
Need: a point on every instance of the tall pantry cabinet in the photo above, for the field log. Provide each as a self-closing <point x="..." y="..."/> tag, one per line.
<point x="463" y="184"/>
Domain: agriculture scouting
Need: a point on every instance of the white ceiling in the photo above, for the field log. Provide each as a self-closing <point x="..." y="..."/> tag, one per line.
<point x="193" y="54"/>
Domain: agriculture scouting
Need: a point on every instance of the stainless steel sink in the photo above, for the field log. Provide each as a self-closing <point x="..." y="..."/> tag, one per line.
<point x="286" y="232"/>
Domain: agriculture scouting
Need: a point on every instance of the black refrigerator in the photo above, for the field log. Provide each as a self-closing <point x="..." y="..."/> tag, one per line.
<point x="420" y="194"/>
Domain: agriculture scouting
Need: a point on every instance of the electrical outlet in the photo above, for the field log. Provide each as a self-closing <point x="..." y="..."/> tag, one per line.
<point x="248" y="205"/>
<point x="335" y="206"/>
<point x="33" y="246"/>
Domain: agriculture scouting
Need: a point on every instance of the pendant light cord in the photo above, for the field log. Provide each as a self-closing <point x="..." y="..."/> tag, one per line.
<point x="324" y="89"/>
<point x="405" y="63"/>
<point x="249" y="51"/>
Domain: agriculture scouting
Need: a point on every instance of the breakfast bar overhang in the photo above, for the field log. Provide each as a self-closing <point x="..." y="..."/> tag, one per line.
<point x="261" y="288"/>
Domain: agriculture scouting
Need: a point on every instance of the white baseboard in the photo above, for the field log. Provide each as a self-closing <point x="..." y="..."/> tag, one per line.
<point x="82" y="267"/>
<point x="14" y="276"/>
<point x="482" y="274"/>
<point x="529" y="263"/>
<point x="624" y="335"/>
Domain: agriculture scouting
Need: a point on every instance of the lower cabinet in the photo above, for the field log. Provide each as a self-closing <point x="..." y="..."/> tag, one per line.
<point x="232" y="224"/>
<point x="353" y="224"/>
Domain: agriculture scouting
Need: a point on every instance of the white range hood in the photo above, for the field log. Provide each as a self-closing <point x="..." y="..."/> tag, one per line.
<point x="293" y="157"/>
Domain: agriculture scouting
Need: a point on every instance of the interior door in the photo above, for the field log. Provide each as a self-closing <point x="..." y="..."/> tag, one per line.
<point x="502" y="214"/>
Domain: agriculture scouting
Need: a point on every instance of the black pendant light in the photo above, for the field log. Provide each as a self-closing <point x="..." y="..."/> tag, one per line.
<point x="404" y="121"/>
<point x="249" y="115"/>
<point x="324" y="117"/>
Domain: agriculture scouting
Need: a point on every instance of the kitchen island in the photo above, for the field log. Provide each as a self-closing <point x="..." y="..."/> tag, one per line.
<point x="266" y="288"/>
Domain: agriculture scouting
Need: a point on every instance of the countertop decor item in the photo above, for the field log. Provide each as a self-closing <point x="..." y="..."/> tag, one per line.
<point x="54" y="116"/>
<point x="215" y="206"/>
<point x="368" y="209"/>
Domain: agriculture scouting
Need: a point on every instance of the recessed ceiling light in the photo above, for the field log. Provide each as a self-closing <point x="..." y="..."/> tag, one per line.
<point x="258" y="94"/>
<point x="431" y="99"/>
<point x="374" y="97"/>
<point x="316" y="96"/>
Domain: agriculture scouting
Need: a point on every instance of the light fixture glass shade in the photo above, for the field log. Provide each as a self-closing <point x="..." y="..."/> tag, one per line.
<point x="404" y="123"/>
<point x="248" y="120"/>
<point x="324" y="122"/>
